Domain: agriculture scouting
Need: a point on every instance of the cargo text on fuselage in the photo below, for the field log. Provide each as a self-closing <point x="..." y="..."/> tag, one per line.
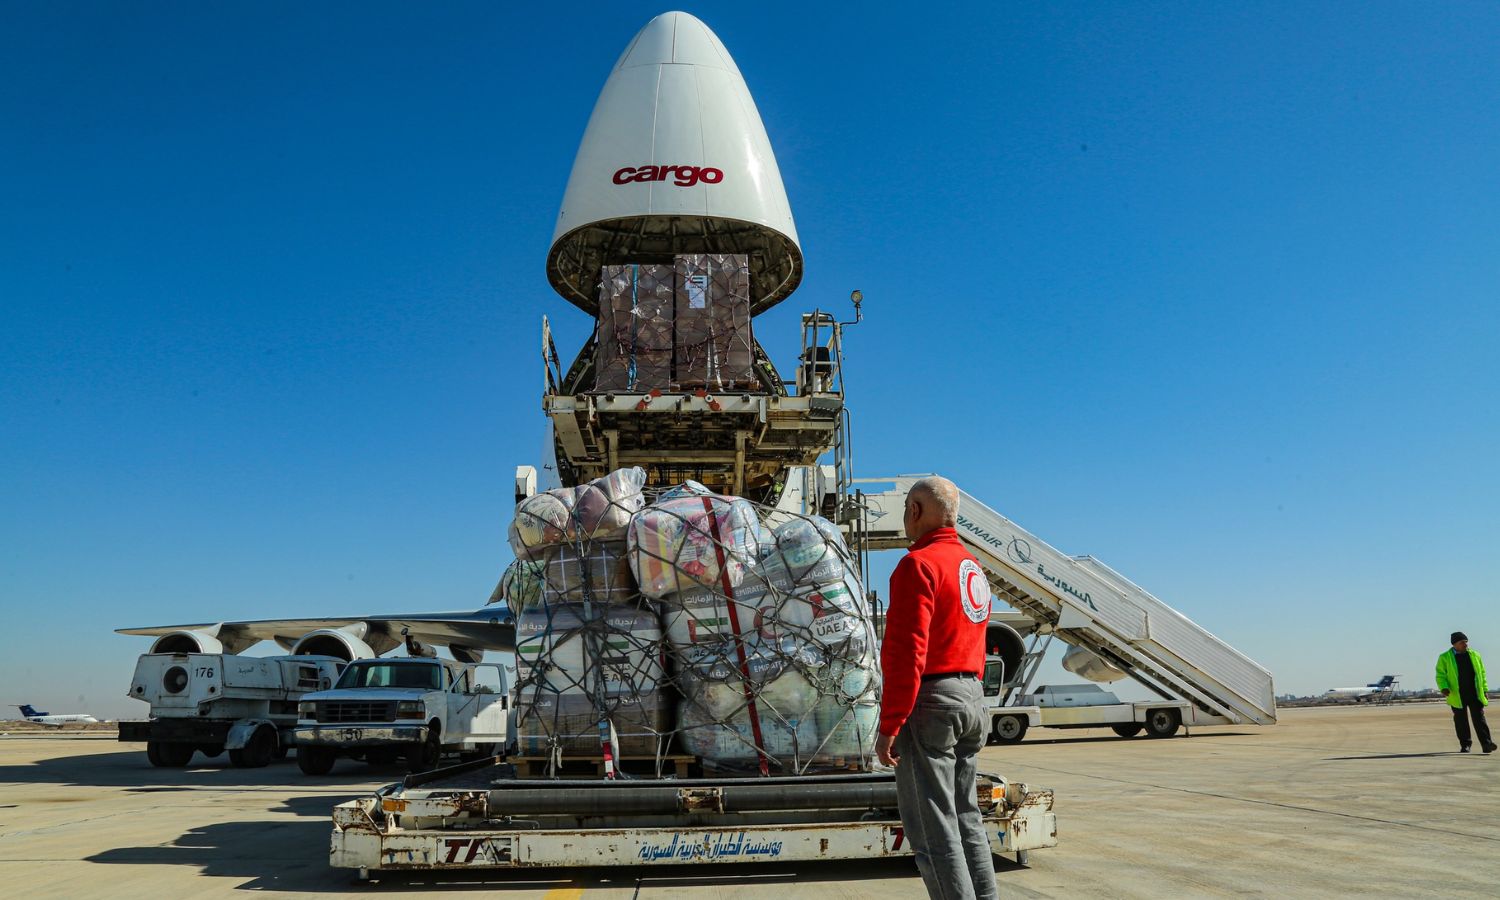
<point x="682" y="176"/>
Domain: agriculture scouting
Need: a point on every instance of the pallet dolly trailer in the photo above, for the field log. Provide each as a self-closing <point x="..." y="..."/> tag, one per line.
<point x="479" y="816"/>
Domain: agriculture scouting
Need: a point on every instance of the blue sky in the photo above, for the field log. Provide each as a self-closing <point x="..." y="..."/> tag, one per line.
<point x="1206" y="292"/>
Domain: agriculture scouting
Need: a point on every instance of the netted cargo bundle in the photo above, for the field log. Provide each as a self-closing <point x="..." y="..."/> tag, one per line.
<point x="691" y="537"/>
<point x="778" y="673"/>
<point x="520" y="585"/>
<point x="634" y="341"/>
<point x="731" y="632"/>
<point x="590" y="680"/>
<point x="600" y="510"/>
<point x="714" y="346"/>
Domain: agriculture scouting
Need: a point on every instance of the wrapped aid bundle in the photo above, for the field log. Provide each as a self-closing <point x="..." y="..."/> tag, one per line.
<point x="718" y="722"/>
<point x="595" y="571"/>
<point x="520" y="585"/>
<point x="602" y="508"/>
<point x="691" y="538"/>
<point x="599" y="510"/>
<point x="542" y="520"/>
<point x="819" y="622"/>
<point x="811" y="550"/>
<point x="706" y="626"/>
<point x="585" y="681"/>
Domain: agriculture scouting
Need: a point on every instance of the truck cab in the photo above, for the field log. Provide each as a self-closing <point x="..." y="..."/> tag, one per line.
<point x="417" y="708"/>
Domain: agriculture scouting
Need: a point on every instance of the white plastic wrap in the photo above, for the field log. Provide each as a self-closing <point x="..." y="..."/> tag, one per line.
<point x="598" y="511"/>
<point x="692" y="538"/>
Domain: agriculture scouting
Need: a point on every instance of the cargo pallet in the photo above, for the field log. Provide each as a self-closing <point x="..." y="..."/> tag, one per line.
<point x="477" y="816"/>
<point x="574" y="767"/>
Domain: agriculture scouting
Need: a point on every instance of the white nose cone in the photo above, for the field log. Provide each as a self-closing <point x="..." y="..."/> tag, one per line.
<point x="674" y="160"/>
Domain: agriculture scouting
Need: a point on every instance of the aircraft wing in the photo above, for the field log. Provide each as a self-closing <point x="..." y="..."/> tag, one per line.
<point x="492" y="628"/>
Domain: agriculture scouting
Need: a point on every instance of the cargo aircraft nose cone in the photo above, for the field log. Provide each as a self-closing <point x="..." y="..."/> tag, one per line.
<point x="674" y="160"/>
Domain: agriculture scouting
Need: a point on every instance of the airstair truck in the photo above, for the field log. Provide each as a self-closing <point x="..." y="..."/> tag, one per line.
<point x="1115" y="629"/>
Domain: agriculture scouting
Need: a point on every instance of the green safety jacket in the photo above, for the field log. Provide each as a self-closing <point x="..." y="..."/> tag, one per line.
<point x="1447" y="677"/>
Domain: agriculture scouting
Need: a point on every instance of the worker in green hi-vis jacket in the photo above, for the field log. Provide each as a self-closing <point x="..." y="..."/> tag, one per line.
<point x="1460" y="678"/>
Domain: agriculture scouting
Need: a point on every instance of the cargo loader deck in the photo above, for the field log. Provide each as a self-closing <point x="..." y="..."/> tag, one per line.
<point x="478" y="815"/>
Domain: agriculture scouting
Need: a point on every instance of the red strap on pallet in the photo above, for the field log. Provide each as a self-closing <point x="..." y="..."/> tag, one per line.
<point x="739" y="645"/>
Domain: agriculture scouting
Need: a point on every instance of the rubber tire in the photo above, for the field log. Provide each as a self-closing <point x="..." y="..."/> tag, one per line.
<point x="424" y="757"/>
<point x="1163" y="723"/>
<point x="1009" y="729"/>
<point x="169" y="756"/>
<point x="209" y="751"/>
<point x="257" y="752"/>
<point x="315" y="760"/>
<point x="1128" y="730"/>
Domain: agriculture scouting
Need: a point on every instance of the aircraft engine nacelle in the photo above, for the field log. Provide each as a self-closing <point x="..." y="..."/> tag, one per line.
<point x="466" y="654"/>
<point x="1086" y="664"/>
<point x="332" y="642"/>
<point x="1005" y="642"/>
<point x="187" y="642"/>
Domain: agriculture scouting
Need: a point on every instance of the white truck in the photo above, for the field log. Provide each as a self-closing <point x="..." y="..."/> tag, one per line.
<point x="1080" y="706"/>
<point x="416" y="708"/>
<point x="213" y="702"/>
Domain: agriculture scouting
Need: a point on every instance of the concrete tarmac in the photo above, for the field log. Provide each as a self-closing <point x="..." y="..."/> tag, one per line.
<point x="1332" y="802"/>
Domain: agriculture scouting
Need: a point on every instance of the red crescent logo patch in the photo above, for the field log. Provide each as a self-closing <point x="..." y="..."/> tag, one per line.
<point x="974" y="591"/>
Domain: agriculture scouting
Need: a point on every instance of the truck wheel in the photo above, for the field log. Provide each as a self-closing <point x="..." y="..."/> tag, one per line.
<point x="315" y="760"/>
<point x="1009" y="729"/>
<point x="1128" y="729"/>
<point x="257" y="752"/>
<point x="423" y="757"/>
<point x="169" y="756"/>
<point x="209" y="751"/>
<point x="1162" y="723"/>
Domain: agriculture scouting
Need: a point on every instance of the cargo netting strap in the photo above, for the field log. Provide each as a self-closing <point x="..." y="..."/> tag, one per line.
<point x="739" y="645"/>
<point x="635" y="316"/>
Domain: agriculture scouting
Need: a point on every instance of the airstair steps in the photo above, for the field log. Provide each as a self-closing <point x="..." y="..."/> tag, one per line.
<point x="1090" y="605"/>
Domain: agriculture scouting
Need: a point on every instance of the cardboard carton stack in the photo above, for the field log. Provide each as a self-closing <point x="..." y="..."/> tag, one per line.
<point x="676" y="328"/>
<point x="713" y="348"/>
<point x="634" y="349"/>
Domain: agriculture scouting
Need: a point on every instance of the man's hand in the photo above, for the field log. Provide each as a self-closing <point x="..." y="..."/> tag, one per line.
<point x="885" y="749"/>
<point x="1443" y="691"/>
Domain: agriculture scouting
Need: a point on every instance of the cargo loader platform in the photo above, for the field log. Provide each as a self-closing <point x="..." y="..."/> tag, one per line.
<point x="475" y="816"/>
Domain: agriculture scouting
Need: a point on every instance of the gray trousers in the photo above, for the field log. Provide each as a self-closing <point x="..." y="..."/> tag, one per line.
<point x="935" y="787"/>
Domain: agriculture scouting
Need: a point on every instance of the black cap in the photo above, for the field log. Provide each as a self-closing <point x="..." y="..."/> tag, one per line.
<point x="1457" y="636"/>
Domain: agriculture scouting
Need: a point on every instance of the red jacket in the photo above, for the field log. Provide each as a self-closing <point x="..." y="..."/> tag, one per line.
<point x="940" y="605"/>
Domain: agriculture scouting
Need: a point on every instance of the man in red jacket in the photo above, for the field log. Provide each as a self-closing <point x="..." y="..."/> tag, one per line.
<point x="932" y="707"/>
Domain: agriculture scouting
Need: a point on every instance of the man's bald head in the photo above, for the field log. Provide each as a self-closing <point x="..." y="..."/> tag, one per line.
<point x="931" y="503"/>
